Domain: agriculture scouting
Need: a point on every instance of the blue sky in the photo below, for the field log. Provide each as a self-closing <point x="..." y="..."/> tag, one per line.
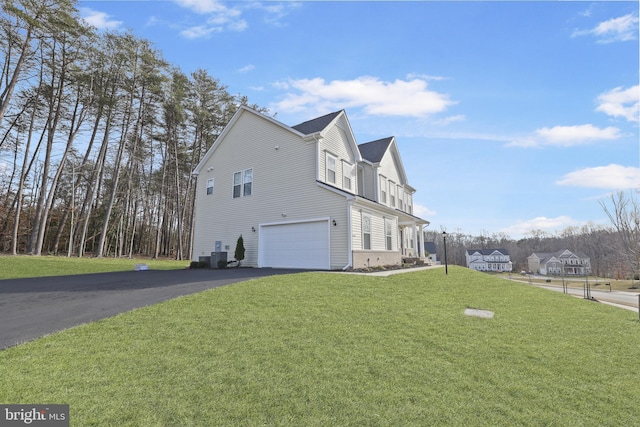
<point x="509" y="116"/>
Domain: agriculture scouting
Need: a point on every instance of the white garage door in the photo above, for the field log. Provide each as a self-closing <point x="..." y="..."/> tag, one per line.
<point x="295" y="245"/>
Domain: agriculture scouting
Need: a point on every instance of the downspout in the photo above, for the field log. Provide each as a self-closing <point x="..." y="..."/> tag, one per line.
<point x="349" y="237"/>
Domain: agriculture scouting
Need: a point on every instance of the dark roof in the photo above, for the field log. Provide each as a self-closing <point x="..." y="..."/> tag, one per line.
<point x="488" y="251"/>
<point x="430" y="247"/>
<point x="374" y="150"/>
<point x="317" y="124"/>
<point x="545" y="256"/>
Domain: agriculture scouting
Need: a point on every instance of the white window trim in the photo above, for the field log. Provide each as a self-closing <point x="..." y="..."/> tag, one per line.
<point x="349" y="173"/>
<point x="243" y="174"/>
<point x="392" y="194"/>
<point x="383" y="190"/>
<point x="210" y="185"/>
<point x="388" y="234"/>
<point x="367" y="216"/>
<point x="334" y="170"/>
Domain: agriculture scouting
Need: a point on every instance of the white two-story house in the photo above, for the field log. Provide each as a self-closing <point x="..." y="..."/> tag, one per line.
<point x="305" y="196"/>
<point x="497" y="260"/>
<point x="563" y="262"/>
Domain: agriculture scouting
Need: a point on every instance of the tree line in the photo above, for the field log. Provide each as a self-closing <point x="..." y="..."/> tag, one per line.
<point x="614" y="249"/>
<point x="98" y="137"/>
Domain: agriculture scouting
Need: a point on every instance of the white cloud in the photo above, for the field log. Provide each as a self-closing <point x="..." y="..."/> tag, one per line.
<point x="620" y="102"/>
<point x="246" y="68"/>
<point x="275" y="12"/>
<point x="620" y="29"/>
<point x="423" y="211"/>
<point x="219" y="18"/>
<point x="398" y="98"/>
<point x="549" y="225"/>
<point x="613" y="177"/>
<point x="451" y="119"/>
<point x="199" y="32"/>
<point x="567" y="136"/>
<point x="99" y="20"/>
<point x="202" y="6"/>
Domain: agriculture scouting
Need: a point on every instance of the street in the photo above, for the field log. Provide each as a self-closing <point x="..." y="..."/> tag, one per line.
<point x="626" y="300"/>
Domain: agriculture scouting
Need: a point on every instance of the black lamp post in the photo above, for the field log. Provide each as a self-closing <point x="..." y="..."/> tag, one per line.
<point x="446" y="266"/>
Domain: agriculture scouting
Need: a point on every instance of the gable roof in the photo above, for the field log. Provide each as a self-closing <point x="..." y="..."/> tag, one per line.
<point x="316" y="125"/>
<point x="487" y="251"/>
<point x="374" y="151"/>
<point x="561" y="254"/>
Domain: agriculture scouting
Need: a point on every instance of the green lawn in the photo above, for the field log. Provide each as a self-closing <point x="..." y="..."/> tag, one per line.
<point x="12" y="267"/>
<point x="324" y="349"/>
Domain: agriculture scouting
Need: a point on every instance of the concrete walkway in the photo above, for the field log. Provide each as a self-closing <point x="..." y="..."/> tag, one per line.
<point x="386" y="273"/>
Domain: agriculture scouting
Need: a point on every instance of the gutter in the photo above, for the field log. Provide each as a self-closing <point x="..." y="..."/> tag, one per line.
<point x="349" y="242"/>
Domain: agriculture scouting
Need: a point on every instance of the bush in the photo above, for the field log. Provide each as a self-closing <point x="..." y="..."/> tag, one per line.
<point x="222" y="263"/>
<point x="239" y="253"/>
<point x="194" y="264"/>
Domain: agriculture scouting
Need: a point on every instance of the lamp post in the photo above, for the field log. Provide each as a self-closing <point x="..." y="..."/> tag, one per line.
<point x="446" y="265"/>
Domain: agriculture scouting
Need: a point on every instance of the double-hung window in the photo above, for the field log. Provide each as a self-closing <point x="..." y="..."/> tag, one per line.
<point x="366" y="232"/>
<point x="383" y="190"/>
<point x="388" y="234"/>
<point x="242" y="183"/>
<point x="331" y="169"/>
<point x="392" y="194"/>
<point x="349" y="174"/>
<point x="209" y="186"/>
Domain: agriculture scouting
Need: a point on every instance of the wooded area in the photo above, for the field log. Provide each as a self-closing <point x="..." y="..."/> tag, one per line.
<point x="100" y="135"/>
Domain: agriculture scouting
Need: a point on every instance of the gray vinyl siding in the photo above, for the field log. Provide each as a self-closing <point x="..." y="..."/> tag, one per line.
<point x="284" y="190"/>
<point x="335" y="142"/>
<point x="378" y="242"/>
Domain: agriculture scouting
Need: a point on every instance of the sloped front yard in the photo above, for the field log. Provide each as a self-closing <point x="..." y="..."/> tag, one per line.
<point x="332" y="349"/>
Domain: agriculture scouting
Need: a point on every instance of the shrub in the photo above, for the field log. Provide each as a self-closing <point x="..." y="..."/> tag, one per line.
<point x="239" y="254"/>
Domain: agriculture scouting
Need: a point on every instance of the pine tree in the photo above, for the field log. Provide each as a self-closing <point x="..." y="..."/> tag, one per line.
<point x="239" y="254"/>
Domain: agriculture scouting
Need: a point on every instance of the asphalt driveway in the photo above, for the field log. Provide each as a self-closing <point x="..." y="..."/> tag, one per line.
<point x="32" y="308"/>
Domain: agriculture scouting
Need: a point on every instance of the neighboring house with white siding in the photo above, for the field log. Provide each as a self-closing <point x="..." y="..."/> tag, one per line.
<point x="304" y="196"/>
<point x="563" y="262"/>
<point x="497" y="260"/>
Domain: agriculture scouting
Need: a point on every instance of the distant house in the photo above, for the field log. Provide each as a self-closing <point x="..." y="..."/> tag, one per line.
<point x="431" y="252"/>
<point x="305" y="196"/>
<point x="497" y="260"/>
<point x="563" y="262"/>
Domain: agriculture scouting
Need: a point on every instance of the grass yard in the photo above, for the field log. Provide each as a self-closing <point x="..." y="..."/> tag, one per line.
<point x="323" y="349"/>
<point x="14" y="267"/>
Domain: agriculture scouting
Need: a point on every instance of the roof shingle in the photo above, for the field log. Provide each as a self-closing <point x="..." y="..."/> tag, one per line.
<point x="374" y="151"/>
<point x="317" y="124"/>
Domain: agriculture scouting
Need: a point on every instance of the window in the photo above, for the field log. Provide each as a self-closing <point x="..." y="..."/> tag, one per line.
<point x="388" y="233"/>
<point x="209" y="186"/>
<point x="248" y="182"/>
<point x="383" y="190"/>
<point x="242" y="183"/>
<point x="392" y="194"/>
<point x="366" y="232"/>
<point x="349" y="173"/>
<point x="331" y="169"/>
<point x="237" y="184"/>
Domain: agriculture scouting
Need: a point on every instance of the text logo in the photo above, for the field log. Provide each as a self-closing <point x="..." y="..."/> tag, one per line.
<point x="34" y="415"/>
